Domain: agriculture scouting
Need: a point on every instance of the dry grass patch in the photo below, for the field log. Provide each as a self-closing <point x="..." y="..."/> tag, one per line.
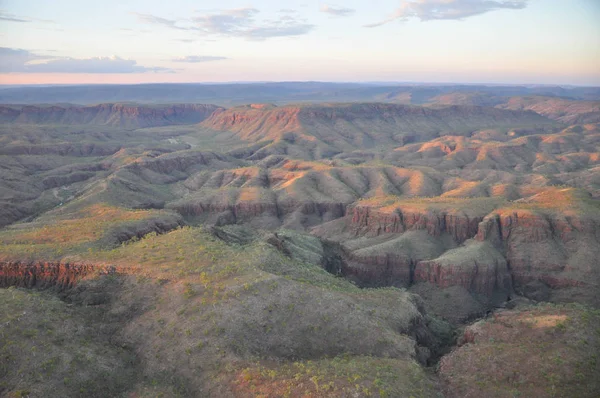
<point x="345" y="376"/>
<point x="87" y="225"/>
<point x="51" y="349"/>
<point x="479" y="205"/>
<point x="52" y="238"/>
<point x="542" y="351"/>
<point x="545" y="321"/>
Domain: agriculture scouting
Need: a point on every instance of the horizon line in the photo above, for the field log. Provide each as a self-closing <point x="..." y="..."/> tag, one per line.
<point x="367" y="82"/>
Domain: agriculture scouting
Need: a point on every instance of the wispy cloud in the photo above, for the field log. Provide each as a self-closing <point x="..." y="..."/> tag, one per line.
<point x="153" y="19"/>
<point x="24" y="61"/>
<point x="278" y="30"/>
<point x="15" y="59"/>
<point x="227" y="22"/>
<point x="6" y="16"/>
<point x="9" y="17"/>
<point x="198" y="58"/>
<point x="337" y="11"/>
<point x="242" y="22"/>
<point x="428" y="10"/>
<point x="237" y="22"/>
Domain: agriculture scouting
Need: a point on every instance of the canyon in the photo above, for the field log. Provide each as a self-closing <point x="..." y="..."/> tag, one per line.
<point x="221" y="249"/>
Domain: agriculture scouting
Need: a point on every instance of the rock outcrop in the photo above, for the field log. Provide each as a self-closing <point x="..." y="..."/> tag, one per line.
<point x="371" y="221"/>
<point x="47" y="274"/>
<point x="360" y="125"/>
<point x="546" y="250"/>
<point x="533" y="250"/>
<point x="477" y="267"/>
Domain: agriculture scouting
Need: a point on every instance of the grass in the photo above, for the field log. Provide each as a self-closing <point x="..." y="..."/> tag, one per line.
<point x="50" y="349"/>
<point x="343" y="376"/>
<point x="201" y="303"/>
<point x="480" y="206"/>
<point x="189" y="314"/>
<point x="547" y="350"/>
<point x="561" y="200"/>
<point x="71" y="233"/>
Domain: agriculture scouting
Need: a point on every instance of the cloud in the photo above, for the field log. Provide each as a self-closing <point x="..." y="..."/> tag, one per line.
<point x="198" y="58"/>
<point x="5" y="16"/>
<point x="14" y="59"/>
<point x="23" y="61"/>
<point x="152" y="19"/>
<point x="237" y="22"/>
<point x="227" y="22"/>
<point x="91" y="65"/>
<point x="337" y="11"/>
<point x="264" y="32"/>
<point x="428" y="10"/>
<point x="8" y="17"/>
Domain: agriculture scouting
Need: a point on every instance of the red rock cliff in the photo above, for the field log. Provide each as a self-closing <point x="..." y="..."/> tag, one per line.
<point x="47" y="274"/>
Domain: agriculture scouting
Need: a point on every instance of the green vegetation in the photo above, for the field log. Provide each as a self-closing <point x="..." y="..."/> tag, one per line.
<point x="337" y="377"/>
<point x="48" y="348"/>
<point x="546" y="350"/>
<point x="192" y="260"/>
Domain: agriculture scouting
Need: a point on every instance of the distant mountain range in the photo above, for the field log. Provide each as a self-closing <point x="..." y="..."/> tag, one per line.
<point x="284" y="92"/>
<point x="118" y="115"/>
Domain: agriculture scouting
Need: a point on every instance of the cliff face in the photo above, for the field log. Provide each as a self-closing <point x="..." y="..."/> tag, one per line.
<point x="47" y="274"/>
<point x="372" y="222"/>
<point x="383" y="269"/>
<point x="389" y="265"/>
<point x="558" y="250"/>
<point x="118" y="115"/>
<point x="536" y="253"/>
<point x="359" y="125"/>
<point x="477" y="267"/>
<point x="256" y="121"/>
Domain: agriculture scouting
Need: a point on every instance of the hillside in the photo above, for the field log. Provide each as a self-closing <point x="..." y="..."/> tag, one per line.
<point x="323" y="249"/>
<point x="116" y="115"/>
<point x="327" y="129"/>
<point x="560" y="109"/>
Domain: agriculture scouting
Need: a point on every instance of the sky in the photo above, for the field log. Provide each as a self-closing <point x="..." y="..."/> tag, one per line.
<point x="435" y="41"/>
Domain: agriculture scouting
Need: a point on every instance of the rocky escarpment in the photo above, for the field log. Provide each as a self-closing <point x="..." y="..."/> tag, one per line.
<point x="370" y="221"/>
<point x="539" y="253"/>
<point x="354" y="126"/>
<point x="118" y="115"/>
<point x="547" y="253"/>
<point x="477" y="267"/>
<point x="384" y="245"/>
<point x="59" y="275"/>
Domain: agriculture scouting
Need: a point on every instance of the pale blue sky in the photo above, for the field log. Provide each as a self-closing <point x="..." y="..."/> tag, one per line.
<point x="493" y="41"/>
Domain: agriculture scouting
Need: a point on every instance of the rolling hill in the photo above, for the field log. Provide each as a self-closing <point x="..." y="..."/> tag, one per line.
<point x="308" y="249"/>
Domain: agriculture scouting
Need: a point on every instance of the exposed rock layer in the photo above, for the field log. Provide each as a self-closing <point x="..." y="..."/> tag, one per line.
<point x="537" y="253"/>
<point x="47" y="274"/>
